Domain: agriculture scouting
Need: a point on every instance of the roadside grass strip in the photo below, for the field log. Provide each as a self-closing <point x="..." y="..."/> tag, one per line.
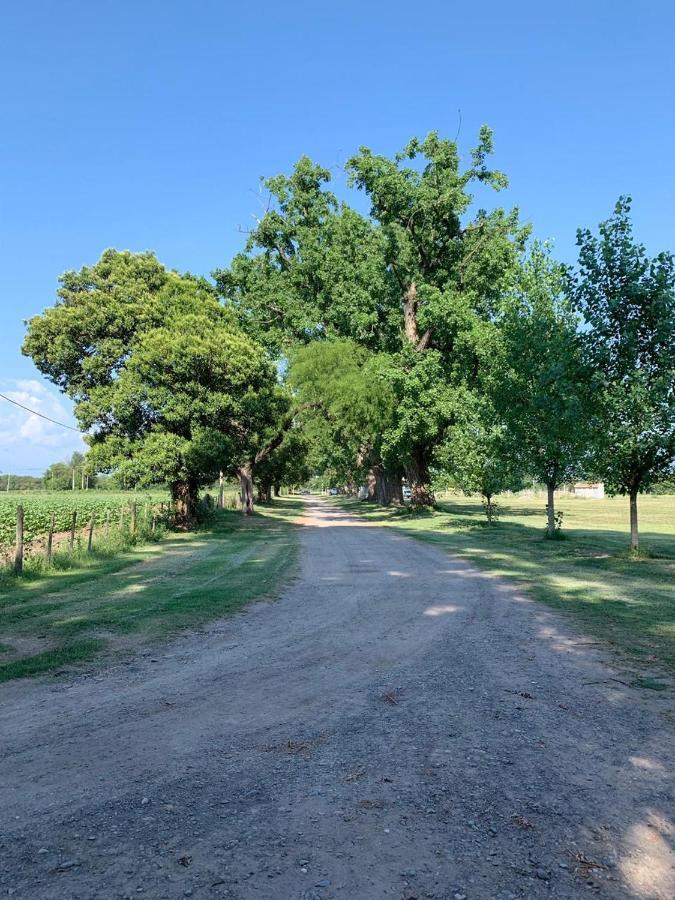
<point x="150" y="593"/>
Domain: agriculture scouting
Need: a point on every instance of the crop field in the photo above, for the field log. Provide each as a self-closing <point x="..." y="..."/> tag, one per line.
<point x="39" y="506"/>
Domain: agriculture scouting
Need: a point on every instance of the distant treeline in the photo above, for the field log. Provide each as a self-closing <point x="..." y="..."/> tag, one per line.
<point x="74" y="475"/>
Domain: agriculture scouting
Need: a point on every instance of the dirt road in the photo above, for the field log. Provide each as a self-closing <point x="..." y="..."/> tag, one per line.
<point x="396" y="725"/>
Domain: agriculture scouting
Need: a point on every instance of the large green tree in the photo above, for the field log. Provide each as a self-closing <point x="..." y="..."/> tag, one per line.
<point x="58" y="477"/>
<point x="450" y="269"/>
<point x="627" y="300"/>
<point x="416" y="281"/>
<point x="348" y="405"/>
<point x="284" y="465"/>
<point x="195" y="378"/>
<point x="163" y="379"/>
<point x="312" y="269"/>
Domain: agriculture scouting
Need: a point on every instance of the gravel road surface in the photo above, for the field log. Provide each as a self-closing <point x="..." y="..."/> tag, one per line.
<point x="395" y="725"/>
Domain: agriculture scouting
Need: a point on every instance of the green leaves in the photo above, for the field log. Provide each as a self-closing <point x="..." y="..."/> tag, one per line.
<point x="168" y="384"/>
<point x="479" y="451"/>
<point x="38" y="509"/>
<point x="627" y="300"/>
<point x="539" y="381"/>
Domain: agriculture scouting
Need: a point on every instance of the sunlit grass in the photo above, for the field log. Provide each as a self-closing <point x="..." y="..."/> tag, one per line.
<point x="59" y="617"/>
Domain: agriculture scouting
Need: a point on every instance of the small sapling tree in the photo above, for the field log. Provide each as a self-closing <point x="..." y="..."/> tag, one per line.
<point x="479" y="455"/>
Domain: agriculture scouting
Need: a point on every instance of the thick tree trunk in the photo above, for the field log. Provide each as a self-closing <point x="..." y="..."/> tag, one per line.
<point x="246" y="488"/>
<point x="277" y="490"/>
<point x="265" y="492"/>
<point x="410" y="327"/>
<point x="488" y="507"/>
<point x="184" y="494"/>
<point x="417" y="473"/>
<point x="550" y="510"/>
<point x="634" y="537"/>
<point x="410" y="303"/>
<point x="372" y="479"/>
<point x="384" y="486"/>
<point x="390" y="489"/>
<point x="394" y="487"/>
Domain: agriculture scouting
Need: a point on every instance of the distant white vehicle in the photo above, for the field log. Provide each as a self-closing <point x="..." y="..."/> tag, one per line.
<point x="332" y="491"/>
<point x="407" y="493"/>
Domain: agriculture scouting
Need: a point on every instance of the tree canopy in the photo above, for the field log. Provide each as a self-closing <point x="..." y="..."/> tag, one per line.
<point x="168" y="385"/>
<point x="539" y="378"/>
<point x="427" y="336"/>
<point x="627" y="300"/>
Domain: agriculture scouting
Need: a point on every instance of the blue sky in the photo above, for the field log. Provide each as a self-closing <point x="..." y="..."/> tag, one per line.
<point x="146" y="125"/>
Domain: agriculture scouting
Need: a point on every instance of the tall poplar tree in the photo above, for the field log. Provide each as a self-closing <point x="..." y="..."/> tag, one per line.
<point x="627" y="300"/>
<point x="540" y="381"/>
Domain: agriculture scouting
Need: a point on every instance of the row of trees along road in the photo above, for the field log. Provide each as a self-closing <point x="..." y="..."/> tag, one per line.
<point x="430" y="335"/>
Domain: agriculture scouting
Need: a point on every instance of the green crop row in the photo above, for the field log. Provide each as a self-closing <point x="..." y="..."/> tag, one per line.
<point x="39" y="508"/>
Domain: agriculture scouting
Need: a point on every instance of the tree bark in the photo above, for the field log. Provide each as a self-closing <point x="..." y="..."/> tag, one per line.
<point x="410" y="304"/>
<point x="488" y="507"/>
<point x="394" y="487"/>
<point x="384" y="486"/>
<point x="410" y="326"/>
<point x="264" y="492"/>
<point x="372" y="479"/>
<point x="246" y="488"/>
<point x="277" y="490"/>
<point x="550" y="509"/>
<point x="634" y="536"/>
<point x="417" y="473"/>
<point x="184" y="494"/>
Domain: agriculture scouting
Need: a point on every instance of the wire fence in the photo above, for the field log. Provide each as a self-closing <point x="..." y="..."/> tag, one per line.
<point x="98" y="531"/>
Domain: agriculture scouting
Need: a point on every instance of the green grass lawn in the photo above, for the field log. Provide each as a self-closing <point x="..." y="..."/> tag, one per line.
<point x="147" y="593"/>
<point x="627" y="602"/>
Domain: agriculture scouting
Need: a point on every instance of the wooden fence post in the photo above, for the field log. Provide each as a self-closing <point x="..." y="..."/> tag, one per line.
<point x="18" y="555"/>
<point x="73" y="524"/>
<point x="221" y="491"/>
<point x="107" y="523"/>
<point x="121" y="517"/>
<point x="50" y="539"/>
<point x="134" y="511"/>
<point x="90" y="536"/>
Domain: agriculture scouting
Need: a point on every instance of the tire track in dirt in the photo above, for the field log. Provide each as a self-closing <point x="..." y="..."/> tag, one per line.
<point x="397" y="724"/>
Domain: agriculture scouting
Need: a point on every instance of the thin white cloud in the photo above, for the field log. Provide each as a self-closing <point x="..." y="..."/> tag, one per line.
<point x="29" y="443"/>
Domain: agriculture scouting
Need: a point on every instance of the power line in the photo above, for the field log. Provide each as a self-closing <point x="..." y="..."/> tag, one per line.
<point x="42" y="415"/>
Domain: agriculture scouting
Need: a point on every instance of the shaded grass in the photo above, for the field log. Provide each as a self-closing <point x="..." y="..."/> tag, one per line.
<point x="48" y="660"/>
<point x="147" y="593"/>
<point x="627" y="601"/>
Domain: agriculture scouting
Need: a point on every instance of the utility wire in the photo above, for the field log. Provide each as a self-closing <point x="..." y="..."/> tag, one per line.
<point x="42" y="415"/>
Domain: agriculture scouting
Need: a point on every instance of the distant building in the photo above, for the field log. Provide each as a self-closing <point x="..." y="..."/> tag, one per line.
<point x="595" y="489"/>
